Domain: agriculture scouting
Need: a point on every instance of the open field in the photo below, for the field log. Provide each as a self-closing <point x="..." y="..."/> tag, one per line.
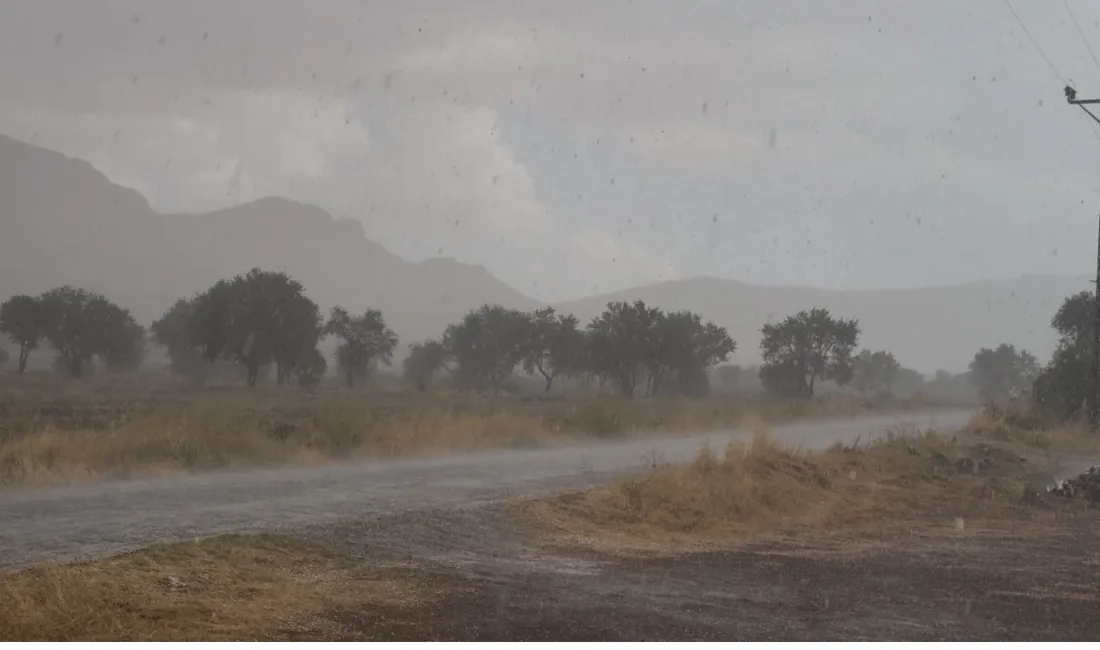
<point x="924" y="537"/>
<point x="56" y="432"/>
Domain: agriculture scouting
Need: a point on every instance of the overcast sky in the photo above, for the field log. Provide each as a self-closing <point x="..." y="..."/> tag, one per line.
<point x="576" y="147"/>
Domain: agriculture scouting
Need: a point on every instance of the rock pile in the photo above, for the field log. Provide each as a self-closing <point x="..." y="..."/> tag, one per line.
<point x="1085" y="486"/>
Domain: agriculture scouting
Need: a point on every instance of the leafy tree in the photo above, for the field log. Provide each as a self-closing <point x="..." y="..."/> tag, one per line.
<point x="364" y="340"/>
<point x="487" y="344"/>
<point x="556" y="346"/>
<point x="81" y="324"/>
<point x="125" y="341"/>
<point x="424" y="361"/>
<point x="258" y="318"/>
<point x="311" y="370"/>
<point x="1003" y="371"/>
<point x="622" y="343"/>
<point x="908" y="382"/>
<point x="174" y="331"/>
<point x="685" y="349"/>
<point x="21" y="321"/>
<point x="296" y="329"/>
<point x="805" y="347"/>
<point x="875" y="372"/>
<point x="212" y="330"/>
<point x="1061" y="388"/>
<point x="1074" y="320"/>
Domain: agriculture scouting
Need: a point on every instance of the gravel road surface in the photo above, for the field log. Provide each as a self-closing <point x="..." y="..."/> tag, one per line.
<point x="88" y="521"/>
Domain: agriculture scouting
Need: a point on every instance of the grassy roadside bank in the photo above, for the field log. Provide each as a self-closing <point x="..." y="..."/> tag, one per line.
<point x="119" y="434"/>
<point x="761" y="489"/>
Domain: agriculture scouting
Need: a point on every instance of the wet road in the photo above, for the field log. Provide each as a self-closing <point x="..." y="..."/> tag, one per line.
<point x="71" y="523"/>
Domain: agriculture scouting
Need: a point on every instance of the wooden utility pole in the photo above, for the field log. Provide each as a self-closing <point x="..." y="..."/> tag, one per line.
<point x="1094" y="388"/>
<point x="1094" y="379"/>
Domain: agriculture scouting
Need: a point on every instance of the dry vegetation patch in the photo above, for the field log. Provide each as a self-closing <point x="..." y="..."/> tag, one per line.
<point x="765" y="489"/>
<point x="118" y="430"/>
<point x="1018" y="423"/>
<point x="226" y="588"/>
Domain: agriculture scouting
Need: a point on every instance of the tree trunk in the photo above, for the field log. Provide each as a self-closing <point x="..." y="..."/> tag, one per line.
<point x="253" y="374"/>
<point x="24" y="352"/>
<point x="76" y="367"/>
<point x="549" y="382"/>
<point x="626" y="385"/>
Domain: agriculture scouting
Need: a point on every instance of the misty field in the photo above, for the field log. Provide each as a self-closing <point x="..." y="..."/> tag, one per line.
<point x="55" y="431"/>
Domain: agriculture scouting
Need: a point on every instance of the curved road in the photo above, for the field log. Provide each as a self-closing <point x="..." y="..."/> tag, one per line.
<point x="72" y="523"/>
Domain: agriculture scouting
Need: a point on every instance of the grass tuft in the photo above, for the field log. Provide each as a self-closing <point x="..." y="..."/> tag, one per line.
<point x="225" y="588"/>
<point x="765" y="488"/>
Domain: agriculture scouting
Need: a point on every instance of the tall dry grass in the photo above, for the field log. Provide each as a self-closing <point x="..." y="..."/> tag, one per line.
<point x="122" y="427"/>
<point x="226" y="588"/>
<point x="765" y="488"/>
<point x="1018" y="422"/>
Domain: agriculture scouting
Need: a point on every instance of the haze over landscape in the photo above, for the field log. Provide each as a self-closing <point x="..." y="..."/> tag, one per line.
<point x="488" y="154"/>
<point x="525" y="320"/>
<point x="66" y="223"/>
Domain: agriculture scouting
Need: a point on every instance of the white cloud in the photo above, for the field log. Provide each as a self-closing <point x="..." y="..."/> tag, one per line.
<point x="604" y="261"/>
<point x="448" y="166"/>
<point x="391" y="114"/>
<point x="439" y="177"/>
<point x="245" y="146"/>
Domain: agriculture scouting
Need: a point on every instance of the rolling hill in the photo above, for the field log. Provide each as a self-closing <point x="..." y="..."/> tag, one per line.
<point x="62" y="221"/>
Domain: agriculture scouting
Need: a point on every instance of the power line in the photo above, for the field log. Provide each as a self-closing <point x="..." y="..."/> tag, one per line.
<point x="1035" y="42"/>
<point x="1081" y="33"/>
<point x="1053" y="68"/>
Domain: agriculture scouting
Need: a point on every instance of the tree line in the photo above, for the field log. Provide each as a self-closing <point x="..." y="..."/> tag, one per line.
<point x="1059" y="389"/>
<point x="80" y="325"/>
<point x="263" y="319"/>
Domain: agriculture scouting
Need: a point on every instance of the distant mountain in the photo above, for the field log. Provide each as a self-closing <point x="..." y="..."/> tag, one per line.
<point x="927" y="328"/>
<point x="62" y="221"/>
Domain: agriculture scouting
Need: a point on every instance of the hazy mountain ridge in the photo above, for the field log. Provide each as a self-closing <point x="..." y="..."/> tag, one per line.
<point x="64" y="222"/>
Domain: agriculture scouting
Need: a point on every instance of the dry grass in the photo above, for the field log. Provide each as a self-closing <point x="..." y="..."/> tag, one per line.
<point x="118" y="428"/>
<point x="766" y="489"/>
<point x="1018" y="423"/>
<point x="225" y="588"/>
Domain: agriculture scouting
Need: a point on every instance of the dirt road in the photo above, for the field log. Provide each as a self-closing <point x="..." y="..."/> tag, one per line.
<point x="62" y="524"/>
